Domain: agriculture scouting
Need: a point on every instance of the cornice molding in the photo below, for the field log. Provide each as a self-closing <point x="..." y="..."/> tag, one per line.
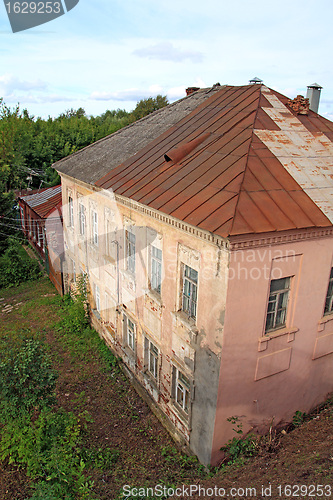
<point x="252" y="241"/>
<point x="173" y="222"/>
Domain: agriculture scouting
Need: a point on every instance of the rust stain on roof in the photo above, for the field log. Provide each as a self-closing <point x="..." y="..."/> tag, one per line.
<point x="241" y="162"/>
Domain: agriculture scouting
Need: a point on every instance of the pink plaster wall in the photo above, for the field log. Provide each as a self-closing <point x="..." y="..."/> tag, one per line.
<point x="268" y="381"/>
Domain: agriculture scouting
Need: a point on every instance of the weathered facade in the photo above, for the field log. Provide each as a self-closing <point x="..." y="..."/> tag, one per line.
<point x="205" y="231"/>
<point x="41" y="223"/>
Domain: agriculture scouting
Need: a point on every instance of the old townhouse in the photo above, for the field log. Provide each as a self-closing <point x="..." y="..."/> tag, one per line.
<point x="41" y="223"/>
<point x="205" y="232"/>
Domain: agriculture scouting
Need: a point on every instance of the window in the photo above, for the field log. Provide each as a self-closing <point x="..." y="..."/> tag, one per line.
<point x="97" y="298"/>
<point x="329" y="295"/>
<point x="34" y="223"/>
<point x="156" y="269"/>
<point x="82" y="219"/>
<point x="40" y="236"/>
<point x="22" y="217"/>
<point x="151" y="358"/>
<point x="70" y="212"/>
<point x="94" y="228"/>
<point x="181" y="390"/>
<point x="130" y="251"/>
<point x="277" y="304"/>
<point x="190" y="291"/>
<point x="130" y="340"/>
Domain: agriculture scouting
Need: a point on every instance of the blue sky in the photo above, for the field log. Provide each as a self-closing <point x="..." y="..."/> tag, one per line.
<point x="108" y="54"/>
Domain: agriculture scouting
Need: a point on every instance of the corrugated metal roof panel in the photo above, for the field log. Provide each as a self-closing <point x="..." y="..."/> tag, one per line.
<point x="236" y="180"/>
<point x="44" y="201"/>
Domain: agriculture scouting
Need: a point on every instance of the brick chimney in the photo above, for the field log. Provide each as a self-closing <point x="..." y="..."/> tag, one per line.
<point x="190" y="90"/>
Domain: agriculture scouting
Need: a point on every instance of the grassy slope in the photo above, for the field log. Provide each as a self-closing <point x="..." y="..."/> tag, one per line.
<point x="122" y="422"/>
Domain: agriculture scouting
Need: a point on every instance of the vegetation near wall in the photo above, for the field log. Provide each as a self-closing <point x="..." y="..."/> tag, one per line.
<point x="16" y="266"/>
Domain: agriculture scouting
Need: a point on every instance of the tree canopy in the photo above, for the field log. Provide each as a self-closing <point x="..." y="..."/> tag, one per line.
<point x="29" y="146"/>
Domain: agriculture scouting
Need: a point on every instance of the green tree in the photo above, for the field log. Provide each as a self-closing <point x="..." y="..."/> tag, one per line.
<point x="146" y="106"/>
<point x="7" y="218"/>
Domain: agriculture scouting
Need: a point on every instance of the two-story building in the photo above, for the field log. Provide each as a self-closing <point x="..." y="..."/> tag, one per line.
<point x="205" y="232"/>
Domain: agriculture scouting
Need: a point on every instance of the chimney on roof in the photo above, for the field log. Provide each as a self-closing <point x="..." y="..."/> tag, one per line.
<point x="313" y="94"/>
<point x="190" y="90"/>
<point x="255" y="80"/>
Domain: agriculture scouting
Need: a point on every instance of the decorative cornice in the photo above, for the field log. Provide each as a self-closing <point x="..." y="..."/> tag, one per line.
<point x="252" y="241"/>
<point x="173" y="222"/>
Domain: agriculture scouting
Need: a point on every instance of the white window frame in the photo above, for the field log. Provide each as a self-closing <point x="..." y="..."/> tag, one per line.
<point x="329" y="295"/>
<point x="276" y="315"/>
<point x="130" y="243"/>
<point x="70" y="211"/>
<point x="22" y="217"/>
<point x="97" y="297"/>
<point x="94" y="219"/>
<point x="182" y="390"/>
<point x="156" y="257"/>
<point x="130" y="333"/>
<point x="190" y="291"/>
<point x="82" y="219"/>
<point x="40" y="240"/>
<point x="151" y="358"/>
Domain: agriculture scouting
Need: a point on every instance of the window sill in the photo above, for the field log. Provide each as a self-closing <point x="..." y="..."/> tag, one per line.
<point x="182" y="317"/>
<point x="184" y="417"/>
<point x="96" y="314"/>
<point x="150" y="378"/>
<point x="156" y="297"/>
<point x="326" y="318"/>
<point x="278" y="333"/>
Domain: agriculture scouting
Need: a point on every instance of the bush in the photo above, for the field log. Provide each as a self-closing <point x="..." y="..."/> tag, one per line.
<point x="27" y="381"/>
<point x="16" y="266"/>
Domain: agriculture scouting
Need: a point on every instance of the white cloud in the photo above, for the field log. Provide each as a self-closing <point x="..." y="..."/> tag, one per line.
<point x="127" y="95"/>
<point x="9" y="83"/>
<point x="166" y="51"/>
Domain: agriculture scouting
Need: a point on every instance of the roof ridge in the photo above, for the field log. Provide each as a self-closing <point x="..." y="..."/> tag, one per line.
<point x="247" y="160"/>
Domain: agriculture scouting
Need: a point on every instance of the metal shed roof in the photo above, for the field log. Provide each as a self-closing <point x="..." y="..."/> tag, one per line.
<point x="45" y="201"/>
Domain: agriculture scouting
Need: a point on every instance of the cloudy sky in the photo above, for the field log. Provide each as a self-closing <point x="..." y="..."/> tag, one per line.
<point x="108" y="54"/>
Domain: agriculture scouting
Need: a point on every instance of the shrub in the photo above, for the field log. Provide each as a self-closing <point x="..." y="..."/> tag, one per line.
<point x="16" y="266"/>
<point x="27" y="380"/>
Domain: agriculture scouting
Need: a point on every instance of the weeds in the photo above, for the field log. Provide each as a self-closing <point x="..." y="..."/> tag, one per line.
<point x="240" y="447"/>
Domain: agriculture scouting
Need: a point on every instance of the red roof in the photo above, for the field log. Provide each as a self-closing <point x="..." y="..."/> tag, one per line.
<point x="45" y="201"/>
<point x="219" y="168"/>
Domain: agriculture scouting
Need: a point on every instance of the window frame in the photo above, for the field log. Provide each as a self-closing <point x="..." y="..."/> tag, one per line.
<point x="152" y="354"/>
<point x="130" y="334"/>
<point x="328" y="308"/>
<point x="280" y="298"/>
<point x="70" y="211"/>
<point x="130" y="247"/>
<point x="156" y="269"/>
<point x="94" y="221"/>
<point x="189" y="301"/>
<point x="82" y="219"/>
<point x="97" y="297"/>
<point x="181" y="390"/>
<point x="22" y="217"/>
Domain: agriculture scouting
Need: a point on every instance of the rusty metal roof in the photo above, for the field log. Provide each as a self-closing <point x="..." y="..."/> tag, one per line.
<point x="240" y="162"/>
<point x="44" y="201"/>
